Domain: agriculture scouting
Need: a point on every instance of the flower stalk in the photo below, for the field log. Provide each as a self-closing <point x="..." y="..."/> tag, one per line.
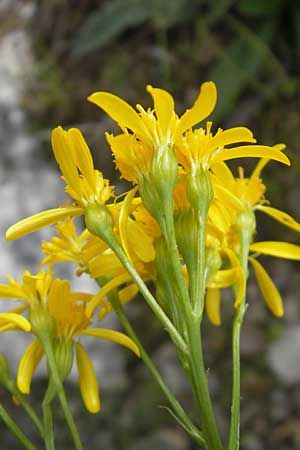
<point x="16" y="430"/>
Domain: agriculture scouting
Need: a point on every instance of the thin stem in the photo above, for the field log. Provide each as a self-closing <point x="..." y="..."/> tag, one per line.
<point x="178" y="411"/>
<point x="200" y="387"/>
<point x="234" y="432"/>
<point x="30" y="411"/>
<point x="61" y="393"/>
<point x="177" y="339"/>
<point x="170" y="238"/>
<point x="48" y="419"/>
<point x="196" y="362"/>
<point x="197" y="275"/>
<point x="16" y="430"/>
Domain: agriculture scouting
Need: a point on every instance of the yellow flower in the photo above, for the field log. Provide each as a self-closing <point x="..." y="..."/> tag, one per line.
<point x="234" y="196"/>
<point x="84" y="184"/>
<point x="153" y="130"/>
<point x="67" y="245"/>
<point x="67" y="312"/>
<point x="199" y="148"/>
<point x="267" y="287"/>
<point x="161" y="128"/>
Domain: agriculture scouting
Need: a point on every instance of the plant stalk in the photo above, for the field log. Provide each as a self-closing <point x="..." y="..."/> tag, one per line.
<point x="16" y="430"/>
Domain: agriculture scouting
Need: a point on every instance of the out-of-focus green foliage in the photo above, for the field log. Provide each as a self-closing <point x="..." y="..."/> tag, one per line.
<point x="117" y="16"/>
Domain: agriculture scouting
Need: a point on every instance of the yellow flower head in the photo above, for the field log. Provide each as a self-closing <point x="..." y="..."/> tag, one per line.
<point x="84" y="184"/>
<point x="152" y="129"/>
<point x="67" y="245"/>
<point x="199" y="148"/>
<point x="233" y="197"/>
<point x="67" y="312"/>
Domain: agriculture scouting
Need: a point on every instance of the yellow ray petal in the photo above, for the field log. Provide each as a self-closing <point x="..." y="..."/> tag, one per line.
<point x="105" y="264"/>
<point x="10" y="326"/>
<point x="121" y="112"/>
<point x="88" y="383"/>
<point x="123" y="220"/>
<point x="27" y="365"/>
<point x="230" y="136"/>
<point x="164" y="107"/>
<point x="278" y="249"/>
<point x="125" y="295"/>
<point x="268" y="289"/>
<point x="64" y="155"/>
<point x="202" y="107"/>
<point x="19" y="321"/>
<point x="141" y="242"/>
<point x="114" y="336"/>
<point x="213" y="304"/>
<point x="112" y="284"/>
<point x="128" y="293"/>
<point x="241" y="280"/>
<point x="264" y="161"/>
<point x="223" y="278"/>
<point x="222" y="172"/>
<point x="40" y="220"/>
<point x="251" y="151"/>
<point x="10" y="292"/>
<point x="84" y="158"/>
<point x="227" y="197"/>
<point x="280" y="216"/>
<point x="219" y="216"/>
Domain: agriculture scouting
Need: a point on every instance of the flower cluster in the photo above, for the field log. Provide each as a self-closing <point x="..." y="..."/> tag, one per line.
<point x="185" y="203"/>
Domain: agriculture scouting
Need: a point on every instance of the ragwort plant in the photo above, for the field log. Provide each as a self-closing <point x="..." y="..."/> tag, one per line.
<point x="187" y="225"/>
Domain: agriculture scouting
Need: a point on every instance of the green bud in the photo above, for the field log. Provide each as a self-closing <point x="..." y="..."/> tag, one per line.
<point x="99" y="221"/>
<point x="42" y="324"/>
<point x="186" y="235"/>
<point x="157" y="188"/>
<point x="63" y="352"/>
<point x="6" y="379"/>
<point x="246" y="224"/>
<point x="164" y="287"/>
<point x="245" y="221"/>
<point x="164" y="171"/>
<point x="200" y="190"/>
<point x="213" y="261"/>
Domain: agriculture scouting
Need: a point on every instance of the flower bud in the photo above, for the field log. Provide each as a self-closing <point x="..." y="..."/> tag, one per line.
<point x="213" y="261"/>
<point x="245" y="224"/>
<point x="63" y="352"/>
<point x="186" y="235"/>
<point x="99" y="221"/>
<point x="42" y="323"/>
<point x="200" y="190"/>
<point x="157" y="187"/>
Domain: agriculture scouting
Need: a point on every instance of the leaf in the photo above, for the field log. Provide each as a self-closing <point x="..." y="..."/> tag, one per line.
<point x="237" y="67"/>
<point x="260" y="7"/>
<point x="104" y="25"/>
<point x="117" y="16"/>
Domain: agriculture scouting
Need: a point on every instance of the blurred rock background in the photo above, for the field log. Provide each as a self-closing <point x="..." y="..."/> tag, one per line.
<point x="53" y="54"/>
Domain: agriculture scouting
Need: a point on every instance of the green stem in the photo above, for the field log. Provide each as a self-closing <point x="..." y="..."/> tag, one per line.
<point x="178" y="411"/>
<point x="233" y="443"/>
<point x="196" y="362"/>
<point x="170" y="238"/>
<point x="200" y="387"/>
<point x="160" y="314"/>
<point x="61" y="393"/>
<point x="197" y="276"/>
<point x="16" y="430"/>
<point x="30" y="411"/>
<point x="48" y="419"/>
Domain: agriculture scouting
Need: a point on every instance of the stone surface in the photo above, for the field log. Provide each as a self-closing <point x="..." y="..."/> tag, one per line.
<point x="284" y="356"/>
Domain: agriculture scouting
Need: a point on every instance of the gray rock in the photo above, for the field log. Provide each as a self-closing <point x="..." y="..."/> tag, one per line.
<point x="284" y="356"/>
